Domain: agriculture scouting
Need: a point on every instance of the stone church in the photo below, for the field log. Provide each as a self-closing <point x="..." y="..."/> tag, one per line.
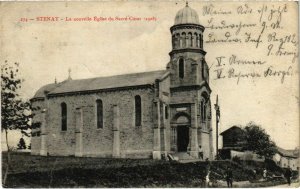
<point x="140" y="115"/>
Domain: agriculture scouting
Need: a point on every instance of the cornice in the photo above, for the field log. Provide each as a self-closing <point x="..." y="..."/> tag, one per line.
<point x="101" y="90"/>
<point x="190" y="87"/>
<point x="187" y="50"/>
<point x="187" y="26"/>
<point x="176" y="104"/>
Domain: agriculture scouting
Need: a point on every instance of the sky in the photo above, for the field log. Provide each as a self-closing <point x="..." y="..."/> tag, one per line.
<point x="46" y="50"/>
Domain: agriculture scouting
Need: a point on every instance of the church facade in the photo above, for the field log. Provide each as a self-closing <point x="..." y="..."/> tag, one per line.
<point x="141" y="115"/>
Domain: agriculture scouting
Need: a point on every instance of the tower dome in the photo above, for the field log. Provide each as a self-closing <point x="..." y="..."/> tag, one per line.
<point x="186" y="15"/>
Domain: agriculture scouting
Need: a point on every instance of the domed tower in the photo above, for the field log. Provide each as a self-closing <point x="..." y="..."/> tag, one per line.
<point x="189" y="86"/>
<point x="187" y="64"/>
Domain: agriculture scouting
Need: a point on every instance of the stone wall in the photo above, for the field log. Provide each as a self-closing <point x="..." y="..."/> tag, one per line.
<point x="184" y="96"/>
<point x="192" y="69"/>
<point x="35" y="145"/>
<point x="164" y="95"/>
<point x="134" y="141"/>
<point x="205" y="143"/>
<point x="38" y="107"/>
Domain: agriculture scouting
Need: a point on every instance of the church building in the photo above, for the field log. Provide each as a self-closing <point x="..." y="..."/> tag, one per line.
<point x="140" y="115"/>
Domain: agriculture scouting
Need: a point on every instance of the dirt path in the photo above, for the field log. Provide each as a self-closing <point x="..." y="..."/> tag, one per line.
<point x="293" y="185"/>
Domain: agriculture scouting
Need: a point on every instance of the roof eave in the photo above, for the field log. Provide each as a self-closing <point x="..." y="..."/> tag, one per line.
<point x="36" y="99"/>
<point x="100" y="90"/>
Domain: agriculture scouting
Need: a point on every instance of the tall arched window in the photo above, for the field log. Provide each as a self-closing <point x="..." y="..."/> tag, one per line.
<point x="183" y="40"/>
<point x="99" y="109"/>
<point x="138" y="110"/>
<point x="173" y="41"/>
<point x="166" y="112"/>
<point x="196" y="40"/>
<point x="180" y="41"/>
<point x="181" y="68"/>
<point x="190" y="39"/>
<point x="203" y="69"/>
<point x="177" y="43"/>
<point x="63" y="116"/>
<point x="201" y="41"/>
<point x="203" y="110"/>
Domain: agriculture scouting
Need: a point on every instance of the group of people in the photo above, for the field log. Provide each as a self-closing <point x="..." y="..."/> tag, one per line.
<point x="229" y="176"/>
<point x="287" y="175"/>
<point x="228" y="173"/>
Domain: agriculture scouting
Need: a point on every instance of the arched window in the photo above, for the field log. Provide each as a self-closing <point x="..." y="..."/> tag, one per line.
<point x="203" y="69"/>
<point x="201" y="41"/>
<point x="203" y="110"/>
<point x="63" y="116"/>
<point x="138" y="110"/>
<point x="196" y="40"/>
<point x="166" y="112"/>
<point x="184" y="39"/>
<point x="190" y="39"/>
<point x="173" y="41"/>
<point x="180" y="41"/>
<point x="99" y="109"/>
<point x="181" y="68"/>
<point x="177" y="41"/>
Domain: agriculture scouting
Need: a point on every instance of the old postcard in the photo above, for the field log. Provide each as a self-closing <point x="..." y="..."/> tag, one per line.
<point x="149" y="94"/>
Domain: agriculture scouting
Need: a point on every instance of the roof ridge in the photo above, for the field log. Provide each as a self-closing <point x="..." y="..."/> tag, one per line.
<point x="128" y="74"/>
<point x="106" y="82"/>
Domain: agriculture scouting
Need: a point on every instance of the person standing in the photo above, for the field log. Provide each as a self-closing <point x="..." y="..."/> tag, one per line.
<point x="200" y="151"/>
<point x="265" y="174"/>
<point x="207" y="179"/>
<point x="229" y="177"/>
<point x="254" y="174"/>
<point x="288" y="175"/>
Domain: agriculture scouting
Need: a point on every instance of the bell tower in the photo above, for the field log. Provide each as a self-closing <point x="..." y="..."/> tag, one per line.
<point x="187" y="64"/>
<point x="190" y="104"/>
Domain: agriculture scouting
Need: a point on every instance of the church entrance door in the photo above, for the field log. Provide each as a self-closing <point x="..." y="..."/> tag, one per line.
<point x="182" y="138"/>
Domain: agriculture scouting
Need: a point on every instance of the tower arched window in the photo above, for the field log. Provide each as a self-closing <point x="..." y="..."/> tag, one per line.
<point x="190" y="39"/>
<point x="196" y="40"/>
<point x="177" y="40"/>
<point x="203" y="69"/>
<point x="180" y="41"/>
<point x="181" y="68"/>
<point x="184" y="40"/>
<point x="166" y="112"/>
<point x="64" y="117"/>
<point x="99" y="111"/>
<point x="138" y="110"/>
<point x="201" y="41"/>
<point x="203" y="110"/>
<point x="173" y="41"/>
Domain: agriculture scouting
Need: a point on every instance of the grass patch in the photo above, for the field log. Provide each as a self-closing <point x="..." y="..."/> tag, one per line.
<point x="36" y="171"/>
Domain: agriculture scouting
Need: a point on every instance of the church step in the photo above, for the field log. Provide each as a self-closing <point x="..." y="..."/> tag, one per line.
<point x="183" y="156"/>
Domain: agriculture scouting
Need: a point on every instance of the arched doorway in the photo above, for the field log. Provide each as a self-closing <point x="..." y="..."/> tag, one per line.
<point x="183" y="138"/>
<point x="181" y="132"/>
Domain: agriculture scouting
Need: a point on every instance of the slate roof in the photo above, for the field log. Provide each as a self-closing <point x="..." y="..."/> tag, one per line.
<point x="92" y="84"/>
<point x="41" y="92"/>
<point x="186" y="15"/>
